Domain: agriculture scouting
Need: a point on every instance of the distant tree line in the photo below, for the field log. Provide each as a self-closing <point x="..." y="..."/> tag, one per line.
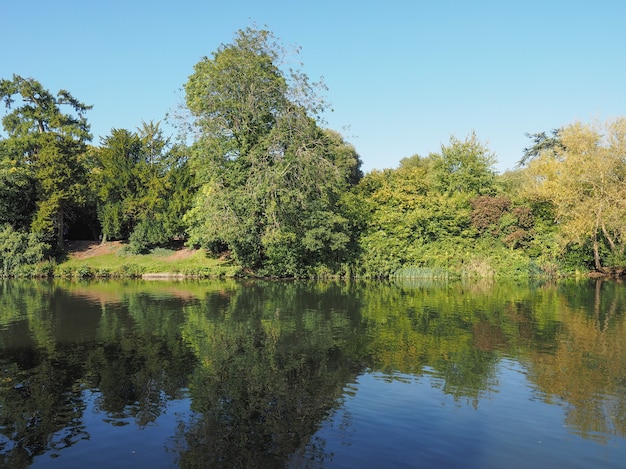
<point x="255" y="177"/>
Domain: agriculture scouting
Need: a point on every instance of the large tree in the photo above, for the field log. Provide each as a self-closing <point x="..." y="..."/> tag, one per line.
<point x="584" y="177"/>
<point x="464" y="166"/>
<point x="47" y="145"/>
<point x="17" y="192"/>
<point x="143" y="186"/>
<point x="270" y="177"/>
<point x="115" y="182"/>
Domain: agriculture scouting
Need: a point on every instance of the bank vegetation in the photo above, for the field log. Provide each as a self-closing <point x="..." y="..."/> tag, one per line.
<point x="254" y="184"/>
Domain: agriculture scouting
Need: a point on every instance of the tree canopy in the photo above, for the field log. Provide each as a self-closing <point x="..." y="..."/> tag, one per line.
<point x="269" y="176"/>
<point x="585" y="179"/>
<point x="143" y="186"/>
<point x="46" y="145"/>
<point x="262" y="184"/>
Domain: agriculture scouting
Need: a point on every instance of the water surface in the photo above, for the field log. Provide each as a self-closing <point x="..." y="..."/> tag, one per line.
<point x="283" y="374"/>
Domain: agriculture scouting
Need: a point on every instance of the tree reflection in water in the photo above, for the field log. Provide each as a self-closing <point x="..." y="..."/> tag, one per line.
<point x="265" y="364"/>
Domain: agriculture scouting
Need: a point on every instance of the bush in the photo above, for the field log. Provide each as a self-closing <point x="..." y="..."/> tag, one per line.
<point x="130" y="271"/>
<point x="102" y="273"/>
<point x="147" y="234"/>
<point x="84" y="271"/>
<point x="19" y="250"/>
<point x="411" y="272"/>
<point x="44" y="269"/>
<point x="63" y="271"/>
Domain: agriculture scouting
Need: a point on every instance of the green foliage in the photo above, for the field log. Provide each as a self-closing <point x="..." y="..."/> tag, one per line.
<point x="116" y="183"/>
<point x="270" y="178"/>
<point x="50" y="145"/>
<point x="266" y="187"/>
<point x="17" y="191"/>
<point x="437" y="273"/>
<point x="445" y="215"/>
<point x="130" y="271"/>
<point x="407" y="218"/>
<point x="464" y="166"/>
<point x="542" y="142"/>
<point x="143" y="185"/>
<point x="84" y="271"/>
<point x="19" y="250"/>
<point x="148" y="233"/>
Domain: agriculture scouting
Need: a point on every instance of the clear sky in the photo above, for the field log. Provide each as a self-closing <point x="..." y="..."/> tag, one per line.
<point x="403" y="76"/>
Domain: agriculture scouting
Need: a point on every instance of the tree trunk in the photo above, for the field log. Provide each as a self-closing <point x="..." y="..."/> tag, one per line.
<point x="608" y="238"/>
<point x="61" y="229"/>
<point x="596" y="253"/>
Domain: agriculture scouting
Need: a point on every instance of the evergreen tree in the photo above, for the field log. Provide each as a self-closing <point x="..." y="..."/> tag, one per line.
<point x="47" y="146"/>
<point x="143" y="186"/>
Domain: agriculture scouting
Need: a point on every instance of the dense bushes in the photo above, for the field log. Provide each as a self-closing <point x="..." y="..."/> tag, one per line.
<point x="20" y="253"/>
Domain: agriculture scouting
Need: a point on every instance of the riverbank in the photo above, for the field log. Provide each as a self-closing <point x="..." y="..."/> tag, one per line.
<point x="92" y="259"/>
<point x="85" y="259"/>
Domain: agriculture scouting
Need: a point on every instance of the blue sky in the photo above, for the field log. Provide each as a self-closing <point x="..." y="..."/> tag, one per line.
<point x="403" y="76"/>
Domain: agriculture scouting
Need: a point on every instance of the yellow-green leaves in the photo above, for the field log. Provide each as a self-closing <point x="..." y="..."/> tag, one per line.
<point x="585" y="178"/>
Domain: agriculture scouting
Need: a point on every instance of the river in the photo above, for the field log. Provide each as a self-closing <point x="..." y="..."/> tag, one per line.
<point x="414" y="374"/>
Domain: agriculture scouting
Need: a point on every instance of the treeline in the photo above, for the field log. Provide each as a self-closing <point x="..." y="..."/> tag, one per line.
<point x="254" y="177"/>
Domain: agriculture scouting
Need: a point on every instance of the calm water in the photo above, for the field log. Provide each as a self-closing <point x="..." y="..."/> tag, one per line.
<point x="237" y="375"/>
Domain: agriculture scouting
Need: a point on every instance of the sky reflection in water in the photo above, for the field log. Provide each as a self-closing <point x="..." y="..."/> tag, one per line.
<point x="222" y="374"/>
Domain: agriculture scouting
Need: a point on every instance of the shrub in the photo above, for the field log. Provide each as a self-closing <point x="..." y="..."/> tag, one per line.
<point x="44" y="269"/>
<point x="412" y="272"/>
<point x="84" y="271"/>
<point x="130" y="271"/>
<point x="63" y="271"/>
<point x="18" y="250"/>
<point x="148" y="233"/>
<point x="102" y="273"/>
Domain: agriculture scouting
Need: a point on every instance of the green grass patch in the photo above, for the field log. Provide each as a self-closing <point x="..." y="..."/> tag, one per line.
<point x="114" y="265"/>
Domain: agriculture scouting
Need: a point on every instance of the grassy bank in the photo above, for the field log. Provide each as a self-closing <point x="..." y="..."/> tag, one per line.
<point x="88" y="259"/>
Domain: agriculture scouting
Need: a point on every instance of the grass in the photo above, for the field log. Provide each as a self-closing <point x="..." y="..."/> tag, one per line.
<point x="120" y="263"/>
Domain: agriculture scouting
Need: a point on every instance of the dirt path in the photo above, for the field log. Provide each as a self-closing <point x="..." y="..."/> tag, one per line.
<point x="87" y="249"/>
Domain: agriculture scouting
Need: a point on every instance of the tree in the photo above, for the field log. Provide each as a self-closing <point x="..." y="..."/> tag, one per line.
<point x="541" y="142"/>
<point x="464" y="167"/>
<point x="267" y="173"/>
<point x="143" y="186"/>
<point x="166" y="189"/>
<point x="49" y="145"/>
<point x="585" y="179"/>
<point x="18" y="250"/>
<point x="496" y="217"/>
<point x="116" y="183"/>
<point x="416" y="161"/>
<point x="17" y="193"/>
